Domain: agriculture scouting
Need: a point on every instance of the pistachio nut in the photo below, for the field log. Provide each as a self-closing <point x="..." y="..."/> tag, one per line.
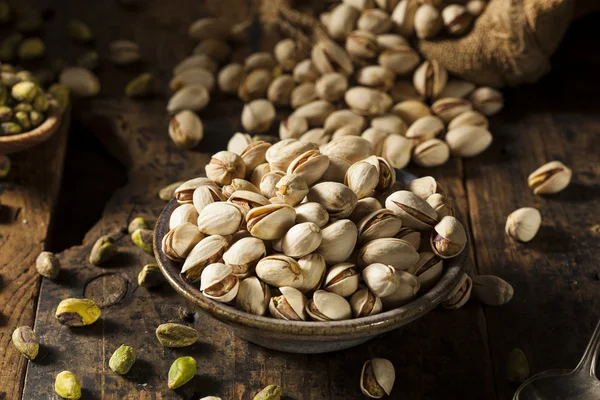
<point x="389" y="123"/>
<point x="219" y="283"/>
<point x="291" y="189"/>
<point x="60" y="93"/>
<point x="258" y="115"/>
<point x="150" y="276"/>
<point x="176" y="335"/>
<point x="77" y="312"/>
<point x="476" y="7"/>
<point x="425" y="128"/>
<point x="338" y="240"/>
<point x="192" y="97"/>
<point x="341" y="118"/>
<point x="181" y="372"/>
<point x="400" y="60"/>
<point x="31" y="49"/>
<point x="377" y="378"/>
<point x="327" y="56"/>
<point x="406" y="292"/>
<point x="457" y="19"/>
<point x="341" y="21"/>
<point x="306" y="71"/>
<point x="411" y="236"/>
<point x="104" y="250"/>
<point x="425" y="187"/>
<point x="441" y="204"/>
<point x="376" y="137"/>
<point x="469" y="118"/>
<point x="428" y="270"/>
<point x="243" y="255"/>
<point x="363" y="208"/>
<point x="184" y="193"/>
<point x="289" y="306"/>
<point x="47" y="265"/>
<point x="124" y="52"/>
<point x="197" y="60"/>
<point x="404" y="90"/>
<point x="313" y="272"/>
<point x="179" y="241"/>
<point x="468" y="141"/>
<point x="209" y="250"/>
<point x="430" y="78"/>
<point x="183" y="213"/>
<point x="79" y="31"/>
<point x="270" y="222"/>
<point x="367" y="101"/>
<point x="254" y="154"/>
<point x="238" y="142"/>
<point x="331" y="86"/>
<point x="303" y="94"/>
<point x="362" y="178"/>
<point x="280" y="270"/>
<point x="216" y="49"/>
<point x="431" y="153"/>
<point x="122" y="360"/>
<point x="230" y="77"/>
<point x="457" y="88"/>
<point x="390" y="251"/>
<point x="288" y="53"/>
<point x="253" y="296"/>
<point x="310" y="166"/>
<point x="376" y="77"/>
<point x="411" y="110"/>
<point x="550" y="178"/>
<point x="258" y="173"/>
<point x="80" y="81"/>
<point x="315" y="112"/>
<point x="360" y="5"/>
<point x="448" y="108"/>
<point x="268" y="183"/>
<point x="342" y="279"/>
<point x="375" y="21"/>
<point x="225" y="166"/>
<point x="23" y="338"/>
<point x="67" y="385"/>
<point x="239" y="184"/>
<point x="281" y="89"/>
<point x="403" y="17"/>
<point x="301" y="240"/>
<point x="220" y="218"/>
<point x="186" y="129"/>
<point x="192" y="76"/>
<point x="281" y="154"/>
<point x="350" y="148"/>
<point x="387" y="5"/>
<point x="492" y="290"/>
<point x="328" y="306"/>
<point x="338" y="199"/>
<point x="205" y="28"/>
<point x="460" y="294"/>
<point x="378" y="224"/>
<point x="293" y="127"/>
<point x="271" y="392"/>
<point x="487" y="100"/>
<point x="448" y="238"/>
<point x="387" y="173"/>
<point x="364" y="303"/>
<point x="260" y="60"/>
<point x="523" y="224"/>
<point x="336" y="170"/>
<point x="255" y="84"/>
<point x="517" y="366"/>
<point x="396" y="149"/>
<point x="142" y="238"/>
<point x="247" y="200"/>
<point x="137" y="223"/>
<point x="361" y="45"/>
<point x="428" y="21"/>
<point x="311" y="212"/>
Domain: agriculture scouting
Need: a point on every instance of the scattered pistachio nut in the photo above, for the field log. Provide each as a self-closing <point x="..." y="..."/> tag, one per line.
<point x="550" y="178"/>
<point x="104" y="250"/>
<point x="142" y="238"/>
<point x="186" y="129"/>
<point x="523" y="224"/>
<point x="517" y="366"/>
<point x="80" y="81"/>
<point x="181" y="372"/>
<point x="218" y="283"/>
<point x="377" y="378"/>
<point x="79" y="31"/>
<point x="150" y="276"/>
<point x="460" y="294"/>
<point x="258" y="116"/>
<point x="192" y="97"/>
<point x="448" y="238"/>
<point x="139" y="86"/>
<point x="67" y="385"/>
<point x="271" y="392"/>
<point x="492" y="290"/>
<point x="124" y="52"/>
<point x="23" y="338"/>
<point x="176" y="335"/>
<point x="47" y="265"/>
<point x="31" y="49"/>
<point x="122" y="360"/>
<point x="77" y="312"/>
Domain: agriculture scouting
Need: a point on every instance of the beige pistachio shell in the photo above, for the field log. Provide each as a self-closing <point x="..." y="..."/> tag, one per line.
<point x="361" y="45"/>
<point x="303" y="94"/>
<point x="487" y="100"/>
<point x="247" y="200"/>
<point x="280" y="155"/>
<point x="457" y="88"/>
<point x="367" y="101"/>
<point x="460" y="294"/>
<point x="396" y="150"/>
<point x="313" y="269"/>
<point x="410" y="236"/>
<point x="254" y="155"/>
<point x="184" y="192"/>
<point x="414" y="212"/>
<point x="375" y="21"/>
<point x="428" y="270"/>
<point x="457" y="19"/>
<point x="428" y="21"/>
<point x="338" y="199"/>
<point x="378" y="224"/>
<point x="208" y="250"/>
<point x="222" y="218"/>
<point x="270" y="222"/>
<point x="430" y="78"/>
<point x="405" y="91"/>
<point x="253" y="296"/>
<point x="448" y="238"/>
<point x="406" y="292"/>
<point x="341" y="21"/>
<point x="315" y="112"/>
<point x="268" y="183"/>
<point x="342" y="279"/>
<point x="205" y="195"/>
<point x="411" y="110"/>
<point x="337" y="241"/>
<point x="225" y="166"/>
<point x="425" y="128"/>
<point x="328" y="56"/>
<point x="550" y="178"/>
<point x="192" y="76"/>
<point x="191" y="97"/>
<point x="301" y="240"/>
<point x="280" y="270"/>
<point x="389" y="123"/>
<point x="243" y="255"/>
<point x="258" y="173"/>
<point x="362" y="178"/>
<point x="230" y="78"/>
<point x="316" y="136"/>
<point x="448" y="108"/>
<point x="340" y="118"/>
<point x="238" y="142"/>
<point x="238" y="184"/>
<point x="390" y="251"/>
<point x="328" y="306"/>
<point x="401" y="60"/>
<point x="350" y="148"/>
<point x="291" y="189"/>
<point x="376" y="77"/>
<point x="363" y="208"/>
<point x="305" y="71"/>
<point x="179" y="241"/>
<point x="280" y="90"/>
<point x="442" y="205"/>
<point x="431" y="153"/>
<point x="468" y="141"/>
<point x="365" y="303"/>
<point x="289" y="306"/>
<point x="377" y="378"/>
<point x="186" y="129"/>
<point x="258" y="115"/>
<point x="288" y="53"/>
<point x="310" y="166"/>
<point x="331" y="86"/>
<point x="218" y="283"/>
<point x="523" y="224"/>
<point x="293" y="127"/>
<point x="312" y="212"/>
<point x="336" y="171"/>
<point x="381" y="279"/>
<point x="376" y="137"/>
<point x="194" y="61"/>
<point x="469" y="118"/>
<point x="425" y="187"/>
<point x="492" y="290"/>
<point x="182" y="214"/>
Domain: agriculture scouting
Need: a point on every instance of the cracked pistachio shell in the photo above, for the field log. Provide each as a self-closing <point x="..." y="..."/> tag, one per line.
<point x="361" y="45"/>
<point x="192" y="76"/>
<point x="192" y="97"/>
<point x="406" y="292"/>
<point x="360" y="5"/>
<point x="550" y="178"/>
<point x="400" y="60"/>
<point x="403" y="17"/>
<point x="389" y="123"/>
<point x="377" y="378"/>
<point x="220" y="218"/>
<point x="350" y="148"/>
<point x="23" y="338"/>
<point x="367" y="101"/>
<point x="469" y="118"/>
<point x="179" y="241"/>
<point x="517" y="366"/>
<point x="270" y="222"/>
<point x="376" y="77"/>
<point x="280" y="270"/>
<point x="254" y="154"/>
<point x="181" y="372"/>
<point x="414" y="212"/>
<point x="303" y="94"/>
<point x="342" y="279"/>
<point x="288" y="53"/>
<point x="80" y="81"/>
<point x="338" y="240"/>
<point x="182" y="214"/>
<point x="411" y="236"/>
<point x="196" y="61"/>
<point x="523" y="224"/>
<point x="301" y="240"/>
<point x="431" y="153"/>
<point x="387" y="173"/>
<point x="457" y="19"/>
<point x="487" y="100"/>
<point x="216" y="49"/>
<point x="457" y="88"/>
<point x="378" y="224"/>
<point x="338" y="199"/>
<point x="328" y="306"/>
<point x="430" y="78"/>
<point x="341" y="21"/>
<point x="258" y="116"/>
<point x="247" y="200"/>
<point x="336" y="171"/>
<point x="390" y="251"/>
<point x="376" y="137"/>
<point x="341" y="118"/>
<point x="219" y="283"/>
<point x="362" y="178"/>
<point x="460" y="294"/>
<point x="257" y="175"/>
<point x="313" y="269"/>
<point x="492" y="290"/>
<point x="244" y="254"/>
<point x="205" y="195"/>
<point x="289" y="306"/>
<point x="268" y="183"/>
<point x="281" y="154"/>
<point x="348" y="130"/>
<point x="391" y="41"/>
<point x="315" y="112"/>
<point x="47" y="265"/>
<point x="468" y="141"/>
<point x="425" y="187"/>
<point x="238" y="142"/>
<point x="428" y="21"/>
<point x="316" y="136"/>
<point x="230" y="78"/>
<point x="238" y="184"/>
<point x="209" y="250"/>
<point x="281" y="89"/>
<point x="260" y="60"/>
<point x="253" y="296"/>
<point x="476" y="7"/>
<point x="404" y="90"/>
<point x="293" y="127"/>
<point x="306" y="71"/>
<point x="255" y="85"/>
<point x="208" y="28"/>
<point x="396" y="150"/>
<point x="441" y="204"/>
<point x="387" y="5"/>
<point x="77" y="312"/>
<point x="363" y="208"/>
<point x="365" y="303"/>
<point x="448" y="238"/>
<point x="311" y="212"/>
<point x="411" y="110"/>
<point x="67" y="385"/>
<point x="328" y="56"/>
<point x="225" y="166"/>
<point x="310" y="166"/>
<point x="428" y="270"/>
<point x="425" y="128"/>
<point x="375" y="21"/>
<point x="186" y="129"/>
<point x="448" y="108"/>
<point x="331" y="86"/>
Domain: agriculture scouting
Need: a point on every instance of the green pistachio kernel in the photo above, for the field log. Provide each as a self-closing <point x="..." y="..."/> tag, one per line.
<point x="181" y="372"/>
<point x="25" y="91"/>
<point x="4" y="166"/>
<point x="7" y="67"/>
<point x="10" y="128"/>
<point x="27" y="76"/>
<point x="79" y="31"/>
<point x="23" y="118"/>
<point x="77" y="312"/>
<point x="31" y="49"/>
<point x="150" y="276"/>
<point x="23" y="107"/>
<point x="137" y="223"/>
<point x="122" y="360"/>
<point x="104" y="249"/>
<point x="36" y="118"/>
<point x="517" y="366"/>
<point x="139" y="86"/>
<point x="176" y="335"/>
<point x="6" y="113"/>
<point x="67" y="386"/>
<point x="89" y="60"/>
<point x="271" y="392"/>
<point x="40" y="103"/>
<point x="142" y="238"/>
<point x="25" y="341"/>
<point x="60" y="93"/>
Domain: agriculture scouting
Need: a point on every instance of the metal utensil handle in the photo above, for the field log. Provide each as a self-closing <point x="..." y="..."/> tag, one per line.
<point x="587" y="365"/>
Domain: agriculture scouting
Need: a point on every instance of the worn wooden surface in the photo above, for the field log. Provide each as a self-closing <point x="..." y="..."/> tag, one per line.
<point x="444" y="355"/>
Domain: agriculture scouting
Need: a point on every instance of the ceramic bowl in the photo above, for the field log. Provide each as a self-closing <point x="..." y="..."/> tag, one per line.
<point x="300" y="336"/>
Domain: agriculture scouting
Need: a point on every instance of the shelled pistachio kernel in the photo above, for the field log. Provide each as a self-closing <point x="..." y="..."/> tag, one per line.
<point x="77" y="312"/>
<point x="176" y="335"/>
<point x="181" y="372"/>
<point x="104" y="249"/>
<point x="67" y="386"/>
<point x="47" y="265"/>
<point x="31" y="48"/>
<point x="142" y="238"/>
<point x="137" y="223"/>
<point x="517" y="366"/>
<point x="150" y="276"/>
<point x="61" y="94"/>
<point x="139" y="86"/>
<point x="4" y="166"/>
<point x="25" y="341"/>
<point x="79" y="31"/>
<point x="122" y="359"/>
<point x="271" y="392"/>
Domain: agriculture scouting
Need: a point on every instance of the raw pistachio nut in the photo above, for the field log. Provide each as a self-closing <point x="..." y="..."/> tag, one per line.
<point x="260" y="60"/>
<point x="361" y="45"/>
<point x="80" y="81"/>
<point x="31" y="48"/>
<point x="244" y="254"/>
<point x="176" y="335"/>
<point x="67" y="385"/>
<point x="457" y="19"/>
<point x="271" y="392"/>
<point x="375" y="21"/>
<point x="248" y="200"/>
<point x="431" y="153"/>
<point x="310" y="166"/>
<point x="377" y="378"/>
<point x="365" y="303"/>
<point x="184" y="194"/>
<point x="288" y="53"/>
<point x="331" y="86"/>
<point x="279" y="270"/>
<point x="142" y="238"/>
<point x="283" y="153"/>
<point x="182" y="214"/>
<point x="205" y="28"/>
<point x="289" y="306"/>
<point x="408" y="287"/>
<point x="428" y="21"/>
<point x="460" y="294"/>
<point x="523" y="224"/>
<point x="487" y="100"/>
<point x="313" y="269"/>
<point x="291" y="189"/>
<point x="220" y="218"/>
<point x="363" y="208"/>
<point x="186" y="129"/>
<point x="448" y="108"/>
<point x="315" y="112"/>
<point x="179" y="241"/>
<point x="366" y="101"/>
<point x="471" y="118"/>
<point x="79" y="31"/>
<point x="239" y="184"/>
<point x="316" y="136"/>
<point x="338" y="240"/>
<point x="301" y="240"/>
<point x="468" y="141"/>
<point x="393" y="252"/>
<point x="219" y="283"/>
<point x="216" y="49"/>
<point x="61" y="94"/>
<point x="550" y="178"/>
<point x="311" y="212"/>
<point x="378" y="224"/>
<point x="411" y="236"/>
<point x="376" y="77"/>
<point x="238" y="142"/>
<point x="258" y="115"/>
<point x="255" y="85"/>
<point x="328" y="306"/>
<point x="411" y="110"/>
<point x="25" y="91"/>
<point x="328" y="56"/>
<point x="150" y="276"/>
<point x="268" y="183"/>
<point x="362" y="178"/>
<point x="270" y="222"/>
<point x="47" y="265"/>
<point x="225" y="166"/>
<point x="389" y="123"/>
<point x="401" y="60"/>
<point x="517" y="366"/>
<point x="448" y="238"/>
<point x="457" y="89"/>
<point x="387" y="5"/>
<point x="396" y="149"/>
<point x="492" y="290"/>
<point x="77" y="312"/>
<point x="166" y="193"/>
<point x="425" y="128"/>
<point x="441" y="204"/>
<point x="403" y="17"/>
<point x="338" y="199"/>
<point x="192" y="97"/>
<point x="430" y="78"/>
<point x="350" y="148"/>
<point x="230" y="78"/>
<point x="122" y="359"/>
<point x="361" y="5"/>
<point x="293" y="127"/>
<point x="104" y="249"/>
<point x="341" y="22"/>
<point x="124" y="52"/>
<point x="23" y="338"/>
<point x="341" y="118"/>
<point x="139" y="86"/>
<point x="303" y="94"/>
<point x="376" y="137"/>
<point x="281" y="89"/>
<point x="253" y="296"/>
<point x="254" y="154"/>
<point x="305" y="71"/>
<point x="342" y="279"/>
<point x="181" y="372"/>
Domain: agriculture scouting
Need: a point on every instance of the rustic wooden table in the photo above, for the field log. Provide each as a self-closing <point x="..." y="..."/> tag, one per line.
<point x="119" y="143"/>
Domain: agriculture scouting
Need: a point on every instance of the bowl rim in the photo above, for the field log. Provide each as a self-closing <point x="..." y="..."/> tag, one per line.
<point x="371" y="325"/>
<point x="38" y="134"/>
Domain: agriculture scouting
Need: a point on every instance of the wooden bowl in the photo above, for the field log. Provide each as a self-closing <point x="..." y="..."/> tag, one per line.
<point x="300" y="336"/>
<point x="14" y="143"/>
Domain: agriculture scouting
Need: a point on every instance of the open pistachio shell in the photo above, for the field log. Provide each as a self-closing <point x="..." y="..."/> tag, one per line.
<point x="342" y="279"/>
<point x="280" y="270"/>
<point x="271" y="221"/>
<point x="328" y="306"/>
<point x="364" y="303"/>
<point x="218" y="283"/>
